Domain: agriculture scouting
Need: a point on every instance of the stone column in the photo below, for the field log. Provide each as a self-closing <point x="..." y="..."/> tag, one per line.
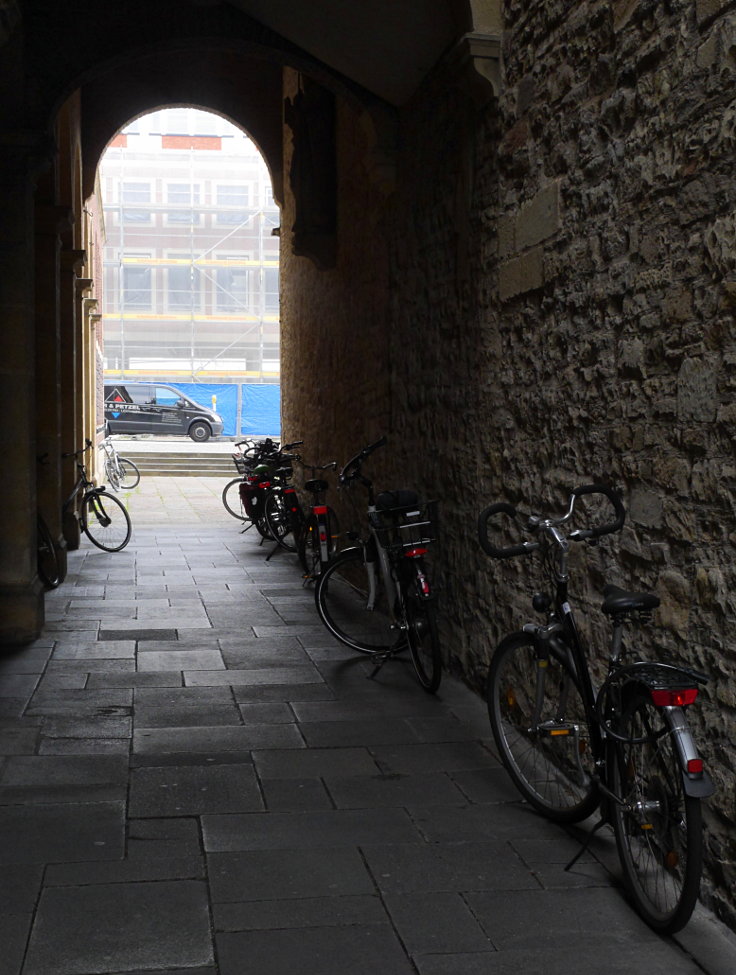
<point x="21" y="595"/>
<point x="72" y="434"/>
<point x="51" y="221"/>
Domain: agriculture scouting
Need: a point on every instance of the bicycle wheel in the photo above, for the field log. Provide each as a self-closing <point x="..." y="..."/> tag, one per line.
<point x="424" y="641"/>
<point x="232" y="501"/>
<point x="538" y="721"/>
<point x="308" y="543"/>
<point x="105" y="521"/>
<point x="130" y="476"/>
<point x="278" y="519"/>
<point x="658" y="827"/>
<point x="49" y="568"/>
<point x="112" y="474"/>
<point x="344" y="604"/>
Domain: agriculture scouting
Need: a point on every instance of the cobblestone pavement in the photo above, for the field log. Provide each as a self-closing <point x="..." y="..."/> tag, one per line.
<point x="194" y="778"/>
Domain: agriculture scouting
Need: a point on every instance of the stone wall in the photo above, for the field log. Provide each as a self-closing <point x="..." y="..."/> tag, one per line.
<point x="560" y="272"/>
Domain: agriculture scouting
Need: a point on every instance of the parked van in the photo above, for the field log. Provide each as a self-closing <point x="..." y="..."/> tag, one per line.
<point x="158" y="408"/>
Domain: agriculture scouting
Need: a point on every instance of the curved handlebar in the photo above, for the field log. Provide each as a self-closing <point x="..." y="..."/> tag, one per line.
<point x="500" y="553"/>
<point x="581" y="534"/>
<point x="352" y="469"/>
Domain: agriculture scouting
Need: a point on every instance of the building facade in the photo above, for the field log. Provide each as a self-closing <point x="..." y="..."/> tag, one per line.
<point x="191" y="278"/>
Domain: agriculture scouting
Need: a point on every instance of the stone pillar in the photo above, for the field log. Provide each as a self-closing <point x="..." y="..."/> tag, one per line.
<point x="51" y="221"/>
<point x="72" y="432"/>
<point x="21" y="595"/>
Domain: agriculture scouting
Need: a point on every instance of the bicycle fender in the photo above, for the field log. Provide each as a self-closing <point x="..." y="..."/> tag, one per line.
<point x="698" y="786"/>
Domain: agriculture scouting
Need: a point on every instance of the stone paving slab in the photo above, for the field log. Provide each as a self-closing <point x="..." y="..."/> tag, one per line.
<point x="197" y="779"/>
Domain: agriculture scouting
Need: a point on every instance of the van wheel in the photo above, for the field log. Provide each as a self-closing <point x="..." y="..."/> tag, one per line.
<point x="200" y="432"/>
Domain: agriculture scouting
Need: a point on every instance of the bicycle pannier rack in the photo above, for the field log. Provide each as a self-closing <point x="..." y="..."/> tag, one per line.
<point x="405" y="526"/>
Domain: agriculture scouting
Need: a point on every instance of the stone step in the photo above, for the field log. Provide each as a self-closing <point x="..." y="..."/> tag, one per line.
<point x="180" y="464"/>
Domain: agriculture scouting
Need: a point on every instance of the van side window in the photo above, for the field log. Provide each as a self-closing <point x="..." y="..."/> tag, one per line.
<point x="142" y="395"/>
<point x="166" y="396"/>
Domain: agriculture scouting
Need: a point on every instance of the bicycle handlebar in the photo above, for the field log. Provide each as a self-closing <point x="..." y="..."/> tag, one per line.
<point x="536" y="524"/>
<point x="351" y="470"/>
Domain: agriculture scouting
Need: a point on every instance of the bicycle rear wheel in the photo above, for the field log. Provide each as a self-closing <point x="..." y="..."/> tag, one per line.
<point x="279" y="520"/>
<point x="421" y="618"/>
<point x="112" y="473"/>
<point x="232" y="500"/>
<point x="538" y="721"/>
<point x="348" y="609"/>
<point x="49" y="568"/>
<point x="658" y="828"/>
<point x="105" y="521"/>
<point x="130" y="476"/>
<point x="309" y="544"/>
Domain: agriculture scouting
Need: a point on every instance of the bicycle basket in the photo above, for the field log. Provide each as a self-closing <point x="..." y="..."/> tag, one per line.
<point x="407" y="525"/>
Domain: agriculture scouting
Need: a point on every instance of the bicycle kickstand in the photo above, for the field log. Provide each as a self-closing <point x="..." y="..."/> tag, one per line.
<point x="382" y="658"/>
<point x="584" y="846"/>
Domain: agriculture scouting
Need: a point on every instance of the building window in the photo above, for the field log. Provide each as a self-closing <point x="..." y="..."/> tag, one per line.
<point x="271" y="290"/>
<point x="132" y="196"/>
<point x="232" y="288"/>
<point x="136" y="287"/>
<point x="182" y="287"/>
<point x="182" y="198"/>
<point x="232" y="203"/>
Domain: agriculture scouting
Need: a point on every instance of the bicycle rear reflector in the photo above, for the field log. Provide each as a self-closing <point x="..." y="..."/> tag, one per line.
<point x="695" y="766"/>
<point x="670" y="698"/>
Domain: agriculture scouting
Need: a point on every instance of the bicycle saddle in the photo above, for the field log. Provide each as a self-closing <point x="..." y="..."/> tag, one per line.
<point x="315" y="486"/>
<point x="618" y="600"/>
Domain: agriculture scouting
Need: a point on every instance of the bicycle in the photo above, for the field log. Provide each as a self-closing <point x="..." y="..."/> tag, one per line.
<point x="103" y="518"/>
<point x="626" y="749"/>
<point x="376" y="596"/>
<point x="317" y="538"/>
<point x="120" y="472"/>
<point x="47" y="558"/>
<point x="245" y="461"/>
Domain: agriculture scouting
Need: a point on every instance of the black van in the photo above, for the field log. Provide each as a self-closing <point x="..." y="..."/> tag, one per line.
<point x="157" y="408"/>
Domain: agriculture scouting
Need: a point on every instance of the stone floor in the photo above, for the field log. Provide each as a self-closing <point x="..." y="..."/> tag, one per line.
<point x="194" y="778"/>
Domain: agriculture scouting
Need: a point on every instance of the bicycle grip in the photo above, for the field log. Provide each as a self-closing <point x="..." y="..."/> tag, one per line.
<point x="607" y="492"/>
<point x="500" y="507"/>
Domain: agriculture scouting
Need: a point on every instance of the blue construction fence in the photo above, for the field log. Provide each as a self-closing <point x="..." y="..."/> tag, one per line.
<point x="247" y="409"/>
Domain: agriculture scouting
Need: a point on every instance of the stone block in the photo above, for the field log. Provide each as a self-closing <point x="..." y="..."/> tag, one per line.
<point x="697" y="397"/>
<point x="539" y="219"/>
<point x="521" y="274"/>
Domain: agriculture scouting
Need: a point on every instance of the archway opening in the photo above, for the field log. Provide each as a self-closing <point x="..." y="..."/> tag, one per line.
<point x="191" y="266"/>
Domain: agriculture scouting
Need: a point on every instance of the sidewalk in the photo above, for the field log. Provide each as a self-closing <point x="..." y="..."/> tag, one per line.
<point x="194" y="778"/>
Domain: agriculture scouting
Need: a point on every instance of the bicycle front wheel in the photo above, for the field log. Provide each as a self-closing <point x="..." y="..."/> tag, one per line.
<point x="105" y="521"/>
<point x="658" y="827"/>
<point x="539" y="725"/>
<point x="421" y="618"/>
<point x="351" y="602"/>
<point x="130" y="476"/>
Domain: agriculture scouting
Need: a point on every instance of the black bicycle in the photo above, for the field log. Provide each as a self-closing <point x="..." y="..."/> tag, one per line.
<point x="102" y="517"/>
<point x="377" y="596"/>
<point x="627" y="748"/>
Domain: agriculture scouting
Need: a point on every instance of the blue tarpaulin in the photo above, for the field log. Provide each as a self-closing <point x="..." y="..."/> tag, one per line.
<point x="261" y="411"/>
<point x="260" y="406"/>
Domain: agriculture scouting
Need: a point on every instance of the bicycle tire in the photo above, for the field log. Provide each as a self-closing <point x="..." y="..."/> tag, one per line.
<point x="49" y="567"/>
<point x="308" y="542"/>
<point x="422" y="632"/>
<point x="278" y="520"/>
<point x="658" y="829"/>
<point x="130" y="476"/>
<point x="545" y="757"/>
<point x="232" y="500"/>
<point x="112" y="474"/>
<point x="341" y="596"/>
<point x="105" y="521"/>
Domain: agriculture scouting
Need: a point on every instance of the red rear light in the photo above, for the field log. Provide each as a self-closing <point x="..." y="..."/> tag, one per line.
<point x="695" y="766"/>
<point x="320" y="509"/>
<point x="414" y="553"/>
<point x="675" y="698"/>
